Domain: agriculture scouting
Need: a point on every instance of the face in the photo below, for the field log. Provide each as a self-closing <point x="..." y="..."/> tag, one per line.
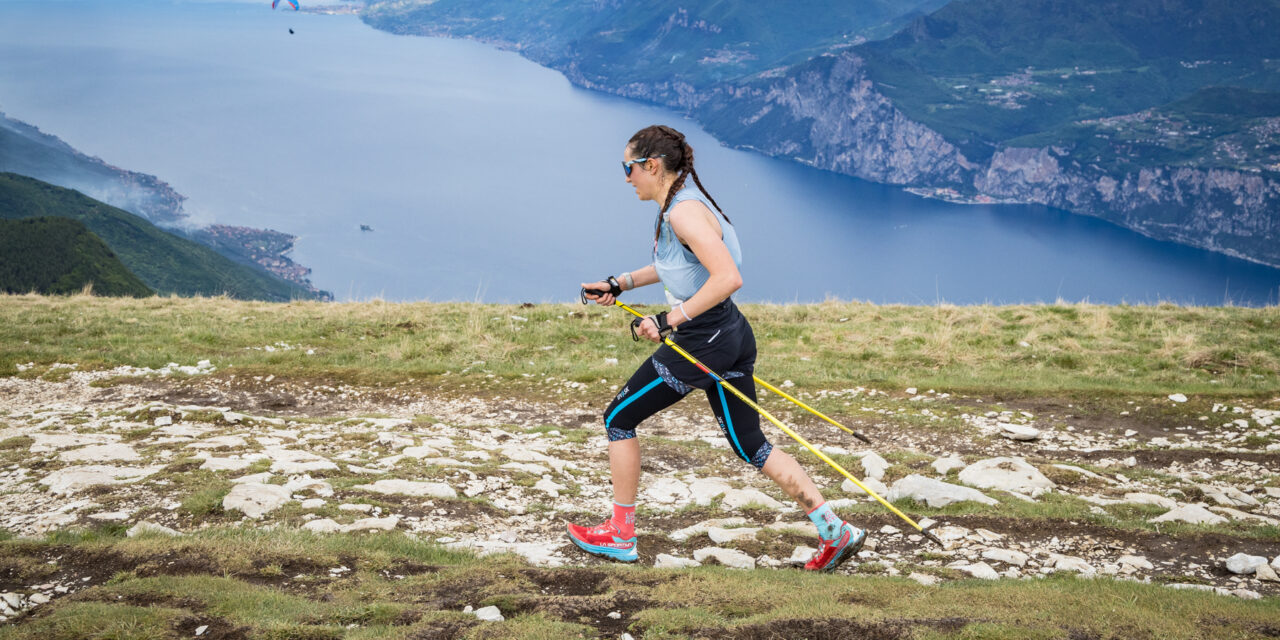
<point x="644" y="175"/>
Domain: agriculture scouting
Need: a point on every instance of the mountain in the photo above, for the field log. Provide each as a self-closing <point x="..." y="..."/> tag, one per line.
<point x="27" y="151"/>
<point x="61" y="256"/>
<point x="1156" y="115"/>
<point x="163" y="261"/>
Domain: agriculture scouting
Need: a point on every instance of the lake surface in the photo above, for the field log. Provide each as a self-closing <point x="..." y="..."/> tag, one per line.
<point x="486" y="177"/>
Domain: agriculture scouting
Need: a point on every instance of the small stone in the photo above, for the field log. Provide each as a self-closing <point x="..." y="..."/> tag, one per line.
<point x="1019" y="432"/>
<point x="1265" y="573"/>
<point x="201" y="629"/>
<point x="40" y="598"/>
<point x="615" y="615"/>
<point x="1178" y="397"/>
<point x="721" y="536"/>
<point x="945" y="465"/>
<point x="163" y="421"/>
<point x="1072" y="563"/>
<point x="874" y="465"/>
<point x="980" y="570"/>
<point x="1137" y="562"/>
<point x="323" y="525"/>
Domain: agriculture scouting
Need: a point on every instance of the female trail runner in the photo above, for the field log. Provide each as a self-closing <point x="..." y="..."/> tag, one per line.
<point x="695" y="257"/>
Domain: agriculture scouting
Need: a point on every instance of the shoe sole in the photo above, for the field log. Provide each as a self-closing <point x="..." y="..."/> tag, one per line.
<point x="847" y="552"/>
<point x="608" y="553"/>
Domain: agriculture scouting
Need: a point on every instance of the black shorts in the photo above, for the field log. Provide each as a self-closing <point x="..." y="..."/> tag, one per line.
<point x="721" y="339"/>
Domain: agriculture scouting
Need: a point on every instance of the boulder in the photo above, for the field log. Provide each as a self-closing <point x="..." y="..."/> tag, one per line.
<point x="934" y="493"/>
<point x="255" y="499"/>
<point x="1009" y="474"/>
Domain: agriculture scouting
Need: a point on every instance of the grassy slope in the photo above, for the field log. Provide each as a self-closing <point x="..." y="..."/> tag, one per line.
<point x="60" y="255"/>
<point x="242" y="581"/>
<point x="1076" y="348"/>
<point x="165" y="262"/>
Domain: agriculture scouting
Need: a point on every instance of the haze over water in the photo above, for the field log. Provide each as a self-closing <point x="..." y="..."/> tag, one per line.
<point x="485" y="176"/>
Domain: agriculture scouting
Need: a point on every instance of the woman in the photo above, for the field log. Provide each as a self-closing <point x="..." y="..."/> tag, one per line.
<point x="696" y="258"/>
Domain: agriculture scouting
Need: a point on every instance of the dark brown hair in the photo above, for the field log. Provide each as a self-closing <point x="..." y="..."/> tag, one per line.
<point x="660" y="140"/>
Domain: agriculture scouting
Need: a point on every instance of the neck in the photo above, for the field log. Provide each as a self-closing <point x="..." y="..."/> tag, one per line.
<point x="668" y="179"/>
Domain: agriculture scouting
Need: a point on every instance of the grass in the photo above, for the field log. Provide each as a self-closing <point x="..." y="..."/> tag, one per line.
<point x="278" y="584"/>
<point x="1076" y="348"/>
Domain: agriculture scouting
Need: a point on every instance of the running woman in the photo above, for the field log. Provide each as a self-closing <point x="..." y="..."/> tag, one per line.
<point x="695" y="257"/>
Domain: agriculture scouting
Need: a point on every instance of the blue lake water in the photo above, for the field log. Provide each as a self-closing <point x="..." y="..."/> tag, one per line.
<point x="486" y="177"/>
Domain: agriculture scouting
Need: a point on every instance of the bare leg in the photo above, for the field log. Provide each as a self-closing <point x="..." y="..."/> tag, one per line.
<point x="624" y="465"/>
<point x="785" y="471"/>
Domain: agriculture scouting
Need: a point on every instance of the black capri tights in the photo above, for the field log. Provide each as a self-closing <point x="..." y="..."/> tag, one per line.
<point x="653" y="388"/>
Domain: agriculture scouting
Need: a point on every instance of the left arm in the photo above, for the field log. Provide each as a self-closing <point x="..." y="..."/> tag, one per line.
<point x="692" y="223"/>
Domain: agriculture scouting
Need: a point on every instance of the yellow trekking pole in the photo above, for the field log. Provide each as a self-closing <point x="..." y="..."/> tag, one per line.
<point x="794" y="436"/>
<point x="774" y="389"/>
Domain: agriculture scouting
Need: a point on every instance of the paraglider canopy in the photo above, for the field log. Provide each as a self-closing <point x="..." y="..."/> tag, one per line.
<point x="292" y="2"/>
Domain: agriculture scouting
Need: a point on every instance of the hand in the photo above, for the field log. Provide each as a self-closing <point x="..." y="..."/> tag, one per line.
<point x="648" y="329"/>
<point x="605" y="299"/>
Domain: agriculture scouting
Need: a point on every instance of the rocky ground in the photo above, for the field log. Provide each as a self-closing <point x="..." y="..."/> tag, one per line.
<point x="490" y="473"/>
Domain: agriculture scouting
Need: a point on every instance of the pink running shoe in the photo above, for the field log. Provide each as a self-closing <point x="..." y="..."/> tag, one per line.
<point x="835" y="552"/>
<point x="604" y="540"/>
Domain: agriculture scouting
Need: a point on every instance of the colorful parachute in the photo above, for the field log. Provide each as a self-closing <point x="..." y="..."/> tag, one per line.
<point x="292" y="2"/>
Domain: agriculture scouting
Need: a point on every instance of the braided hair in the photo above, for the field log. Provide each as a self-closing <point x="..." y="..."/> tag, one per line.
<point x="656" y="140"/>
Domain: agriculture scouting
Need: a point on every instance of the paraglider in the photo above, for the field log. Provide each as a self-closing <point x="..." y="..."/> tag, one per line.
<point x="292" y="2"/>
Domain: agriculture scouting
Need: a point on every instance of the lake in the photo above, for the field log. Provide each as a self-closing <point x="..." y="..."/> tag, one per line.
<point x="486" y="177"/>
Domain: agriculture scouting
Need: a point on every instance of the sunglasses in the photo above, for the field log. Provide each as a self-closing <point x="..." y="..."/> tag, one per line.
<point x="626" y="164"/>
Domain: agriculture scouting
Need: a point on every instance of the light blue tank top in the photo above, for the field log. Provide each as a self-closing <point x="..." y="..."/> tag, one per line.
<point x="678" y="268"/>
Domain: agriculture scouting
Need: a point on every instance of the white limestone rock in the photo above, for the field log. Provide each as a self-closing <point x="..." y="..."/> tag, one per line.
<point x="489" y="614"/>
<point x="979" y="570"/>
<point x="146" y="527"/>
<point x="704" y="490"/>
<point x="410" y="488"/>
<point x="373" y="524"/>
<point x="101" y="453"/>
<point x="1007" y="556"/>
<point x="1192" y="513"/>
<point x="549" y="487"/>
<point x="72" y="479"/>
<point x="256" y="500"/>
<point x="801" y="555"/>
<point x="874" y="465"/>
<point x="1008" y="474"/>
<point x="719" y="535"/>
<point x="665" y="561"/>
<point x="225" y="464"/>
<point x="871" y="483"/>
<point x="291" y="461"/>
<point x="667" y="491"/>
<point x="220" y="442"/>
<point x="735" y="498"/>
<point x="680" y="535"/>
<point x="934" y="493"/>
<point x="1265" y="573"/>
<point x="1152" y="499"/>
<point x="1137" y="562"/>
<point x="323" y="525"/>
<point x="304" y="482"/>
<point x="1244" y="564"/>
<point x="944" y="466"/>
<point x="727" y="557"/>
<point x="1072" y="563"/>
<point x="925" y="579"/>
<point x="1018" y="432"/>
<point x="1229" y="496"/>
